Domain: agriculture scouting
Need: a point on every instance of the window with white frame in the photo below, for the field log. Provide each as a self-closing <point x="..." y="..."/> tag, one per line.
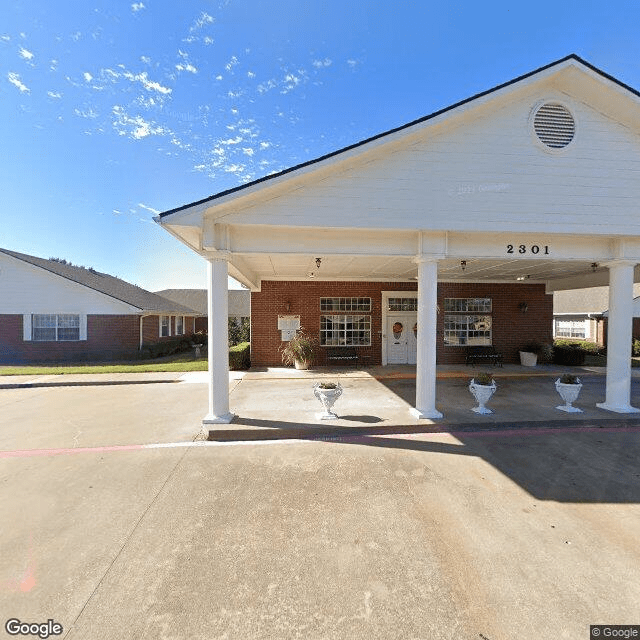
<point x="179" y="325"/>
<point x="345" y="330"/>
<point x="467" y="322"/>
<point x="403" y="304"/>
<point x="345" y="304"/>
<point x="165" y="326"/>
<point x="48" y="327"/>
<point x="570" y="329"/>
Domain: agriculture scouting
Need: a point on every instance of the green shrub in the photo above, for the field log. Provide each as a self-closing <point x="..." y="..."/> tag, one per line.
<point x="239" y="332"/>
<point x="167" y="347"/>
<point x="240" y="356"/>
<point x="485" y="379"/>
<point x="636" y="347"/>
<point x="199" y="338"/>
<point x="584" y="345"/>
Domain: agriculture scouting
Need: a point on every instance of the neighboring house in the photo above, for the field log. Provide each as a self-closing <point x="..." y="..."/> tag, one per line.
<point x="52" y="311"/>
<point x="447" y="232"/>
<point x="581" y="314"/>
<point x="239" y="303"/>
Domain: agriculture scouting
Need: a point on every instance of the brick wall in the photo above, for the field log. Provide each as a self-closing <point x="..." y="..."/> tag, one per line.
<point x="109" y="337"/>
<point x="511" y="327"/>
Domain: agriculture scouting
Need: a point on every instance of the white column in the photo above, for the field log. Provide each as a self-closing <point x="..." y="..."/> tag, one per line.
<point x="218" y="345"/>
<point x="618" y="394"/>
<point x="426" y="356"/>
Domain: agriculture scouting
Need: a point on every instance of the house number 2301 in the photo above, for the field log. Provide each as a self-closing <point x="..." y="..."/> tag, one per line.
<point x="523" y="248"/>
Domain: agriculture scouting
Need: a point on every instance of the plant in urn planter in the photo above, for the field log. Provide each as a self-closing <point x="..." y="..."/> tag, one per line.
<point x="483" y="386"/>
<point x="327" y="393"/>
<point x="568" y="386"/>
<point x="300" y="350"/>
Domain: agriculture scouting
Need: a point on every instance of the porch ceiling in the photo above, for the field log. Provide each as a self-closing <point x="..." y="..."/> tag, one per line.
<point x="403" y="268"/>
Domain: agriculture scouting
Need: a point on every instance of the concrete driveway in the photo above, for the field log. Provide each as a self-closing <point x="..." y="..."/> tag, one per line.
<point x="481" y="533"/>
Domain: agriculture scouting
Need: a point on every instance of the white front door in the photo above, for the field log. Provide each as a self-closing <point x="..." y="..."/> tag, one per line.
<point x="401" y="339"/>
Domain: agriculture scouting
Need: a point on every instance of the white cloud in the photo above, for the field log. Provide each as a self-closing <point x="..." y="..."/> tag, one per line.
<point x="27" y="55"/>
<point x="208" y="40"/>
<point x="144" y="206"/>
<point x="145" y="59"/>
<point x="319" y="64"/>
<point x="218" y="78"/>
<point x="5" y="38"/>
<point x="14" y="79"/>
<point x="137" y="6"/>
<point x="250" y="74"/>
<point x="87" y="76"/>
<point x="186" y="67"/>
<point x="89" y="113"/>
<point x="53" y="65"/>
<point x="203" y="19"/>
<point x="143" y="79"/>
<point x="265" y="145"/>
<point x="248" y="151"/>
<point x="352" y="63"/>
<point x="135" y="127"/>
<point x="54" y="94"/>
<point x="232" y="63"/>
<point x="267" y="86"/>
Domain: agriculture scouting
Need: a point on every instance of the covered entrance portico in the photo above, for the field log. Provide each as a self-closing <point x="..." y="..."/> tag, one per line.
<point x="514" y="192"/>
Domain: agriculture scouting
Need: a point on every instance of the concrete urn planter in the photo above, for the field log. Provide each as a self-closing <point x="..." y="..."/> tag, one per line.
<point x="482" y="393"/>
<point x="528" y="359"/>
<point x="328" y="398"/>
<point x="301" y="364"/>
<point x="569" y="393"/>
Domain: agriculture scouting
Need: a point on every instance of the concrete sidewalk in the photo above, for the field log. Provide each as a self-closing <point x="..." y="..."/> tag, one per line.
<point x="279" y="402"/>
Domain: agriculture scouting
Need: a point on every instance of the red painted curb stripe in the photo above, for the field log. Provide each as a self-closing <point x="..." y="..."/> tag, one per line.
<point x="25" y="453"/>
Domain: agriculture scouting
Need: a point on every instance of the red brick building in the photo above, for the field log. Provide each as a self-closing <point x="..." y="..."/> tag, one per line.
<point x="51" y="311"/>
<point x="382" y="305"/>
<point x="443" y="233"/>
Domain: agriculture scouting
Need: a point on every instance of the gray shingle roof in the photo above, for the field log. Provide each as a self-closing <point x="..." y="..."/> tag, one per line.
<point x="582" y="301"/>
<point x="106" y="284"/>
<point x="239" y="300"/>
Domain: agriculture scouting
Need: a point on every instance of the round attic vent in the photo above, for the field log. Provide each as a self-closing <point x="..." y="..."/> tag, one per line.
<point x="554" y="125"/>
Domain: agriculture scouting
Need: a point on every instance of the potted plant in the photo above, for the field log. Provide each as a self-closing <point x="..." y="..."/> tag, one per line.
<point x="300" y="350"/>
<point x="483" y="386"/>
<point x="568" y="386"/>
<point x="529" y="354"/>
<point x="327" y="393"/>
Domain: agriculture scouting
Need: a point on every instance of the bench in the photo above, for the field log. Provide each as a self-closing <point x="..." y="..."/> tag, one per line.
<point x="342" y="354"/>
<point x="484" y="354"/>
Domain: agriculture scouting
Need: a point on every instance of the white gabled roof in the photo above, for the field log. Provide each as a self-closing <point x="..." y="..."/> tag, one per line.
<point x="577" y="74"/>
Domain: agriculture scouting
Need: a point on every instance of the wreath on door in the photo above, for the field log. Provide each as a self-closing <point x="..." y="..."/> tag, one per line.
<point x="397" y="330"/>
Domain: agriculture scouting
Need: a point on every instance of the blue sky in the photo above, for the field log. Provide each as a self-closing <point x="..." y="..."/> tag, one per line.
<point x="113" y="111"/>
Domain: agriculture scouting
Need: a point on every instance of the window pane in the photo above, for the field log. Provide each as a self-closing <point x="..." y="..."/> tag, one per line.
<point x="52" y="327"/>
<point x="42" y="334"/>
<point x="345" y="304"/>
<point x="164" y="329"/>
<point x="465" y="330"/>
<point x="468" y="305"/>
<point x="403" y="304"/>
<point x="344" y="330"/>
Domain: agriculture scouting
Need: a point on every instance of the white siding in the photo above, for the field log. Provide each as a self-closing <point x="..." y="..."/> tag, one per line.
<point x="27" y="289"/>
<point x="483" y="174"/>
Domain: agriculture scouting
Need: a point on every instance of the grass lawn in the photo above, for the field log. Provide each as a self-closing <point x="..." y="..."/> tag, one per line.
<point x="181" y="362"/>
